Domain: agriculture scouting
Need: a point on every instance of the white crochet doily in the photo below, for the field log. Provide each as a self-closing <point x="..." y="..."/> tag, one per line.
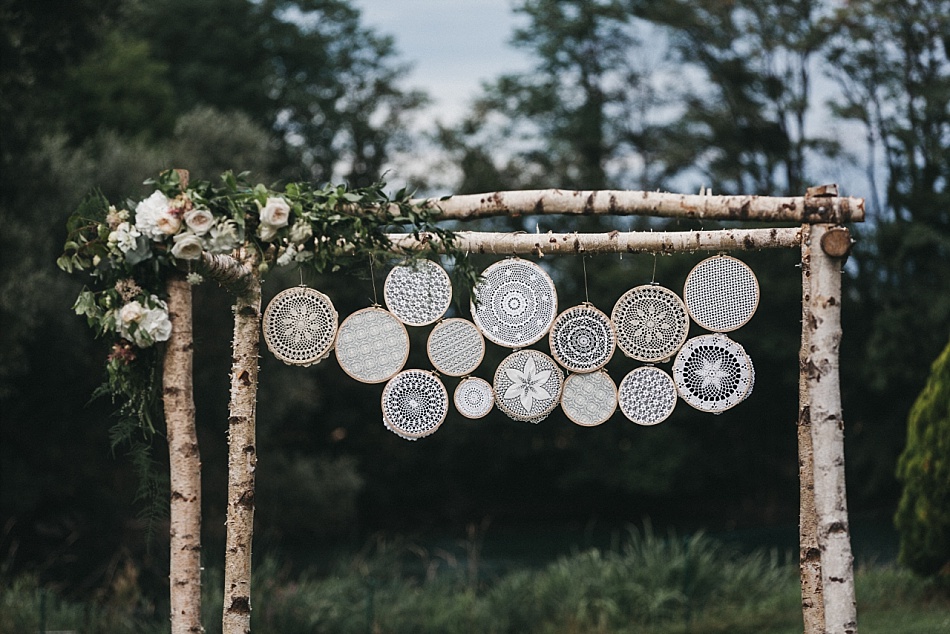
<point x="582" y="339"/>
<point x="712" y="373"/>
<point x="651" y="323"/>
<point x="300" y="326"/>
<point x="647" y="395"/>
<point x="474" y="397"/>
<point x="516" y="303"/>
<point x="372" y="345"/>
<point x="589" y="399"/>
<point x="418" y="293"/>
<point x="414" y="404"/>
<point x="455" y="347"/>
<point x="528" y="385"/>
<point x="721" y="293"/>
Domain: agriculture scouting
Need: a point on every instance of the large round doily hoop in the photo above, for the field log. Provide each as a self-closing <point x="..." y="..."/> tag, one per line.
<point x="712" y="373"/>
<point x="300" y="326"/>
<point x="582" y="339"/>
<point x="514" y="303"/>
<point x="455" y="347"/>
<point x="651" y="323"/>
<point x="647" y="396"/>
<point x="418" y="293"/>
<point x="528" y="385"/>
<point x="414" y="404"/>
<point x="372" y="345"/>
<point x="474" y="397"/>
<point x="589" y="399"/>
<point x="721" y="293"/>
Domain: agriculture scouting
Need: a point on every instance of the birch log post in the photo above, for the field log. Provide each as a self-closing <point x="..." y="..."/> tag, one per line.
<point x="827" y="432"/>
<point x="809" y="555"/>
<point x="184" y="463"/>
<point x="242" y="454"/>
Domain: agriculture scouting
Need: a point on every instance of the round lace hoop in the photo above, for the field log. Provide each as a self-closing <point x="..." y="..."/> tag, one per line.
<point x="455" y="347"/>
<point x="528" y="385"/>
<point x="647" y="395"/>
<point x="721" y="293"/>
<point x="712" y="373"/>
<point x="651" y="323"/>
<point x="589" y="399"/>
<point x="414" y="404"/>
<point x="582" y="339"/>
<point x="300" y="326"/>
<point x="474" y="397"/>
<point x="372" y="345"/>
<point x="418" y="293"/>
<point x="516" y="303"/>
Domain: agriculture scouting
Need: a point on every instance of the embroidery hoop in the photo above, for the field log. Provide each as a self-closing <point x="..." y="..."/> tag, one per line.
<point x="582" y="338"/>
<point x="418" y="294"/>
<point x="478" y="388"/>
<point x="455" y="347"/>
<point x="296" y="314"/>
<point x="635" y="317"/>
<point x="517" y="303"/>
<point x="517" y="363"/>
<point x="721" y="293"/>
<point x="357" y="349"/>
<point x="414" y="404"/>
<point x="647" y="395"/>
<point x="589" y="399"/>
<point x="712" y="373"/>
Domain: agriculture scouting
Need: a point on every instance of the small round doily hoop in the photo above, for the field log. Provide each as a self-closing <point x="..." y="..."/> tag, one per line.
<point x="419" y="293"/>
<point x="528" y="385"/>
<point x="474" y="397"/>
<point x="589" y="399"/>
<point x="300" y="326"/>
<point x="721" y="293"/>
<point x="516" y="303"/>
<point x="651" y="323"/>
<point x="647" y="396"/>
<point x="582" y="339"/>
<point x="372" y="345"/>
<point x="455" y="347"/>
<point x="414" y="403"/>
<point x="712" y="373"/>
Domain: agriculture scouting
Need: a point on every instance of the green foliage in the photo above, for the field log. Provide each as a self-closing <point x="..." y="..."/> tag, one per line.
<point x="923" y="517"/>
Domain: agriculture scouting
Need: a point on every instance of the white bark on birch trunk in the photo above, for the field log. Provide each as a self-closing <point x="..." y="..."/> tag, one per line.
<point x="827" y="431"/>
<point x="809" y="554"/>
<point x="242" y="456"/>
<point x="184" y="463"/>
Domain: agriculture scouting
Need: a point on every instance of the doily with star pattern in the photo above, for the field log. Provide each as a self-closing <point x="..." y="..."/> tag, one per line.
<point x="713" y="373"/>
<point x="528" y="385"/>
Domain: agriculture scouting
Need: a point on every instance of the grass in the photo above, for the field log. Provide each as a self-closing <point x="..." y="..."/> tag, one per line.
<point x="649" y="585"/>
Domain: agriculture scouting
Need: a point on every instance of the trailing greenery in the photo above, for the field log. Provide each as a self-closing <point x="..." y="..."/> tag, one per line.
<point x="923" y="517"/>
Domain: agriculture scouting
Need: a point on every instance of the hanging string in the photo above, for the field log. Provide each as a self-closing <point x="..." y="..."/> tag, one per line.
<point x="300" y="268"/>
<point x="584" y="263"/>
<point x="372" y="276"/>
<point x="653" y="278"/>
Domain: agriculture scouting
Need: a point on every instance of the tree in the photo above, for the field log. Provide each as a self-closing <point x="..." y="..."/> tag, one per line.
<point x="923" y="517"/>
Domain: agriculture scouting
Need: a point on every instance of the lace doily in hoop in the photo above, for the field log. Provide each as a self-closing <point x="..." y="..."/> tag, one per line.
<point x="712" y="373"/>
<point x="647" y="395"/>
<point x="528" y="385"/>
<point x="372" y="345"/>
<point x="589" y="399"/>
<point x="414" y="404"/>
<point x="418" y="293"/>
<point x="300" y="325"/>
<point x="517" y="303"/>
<point x="651" y="323"/>
<point x="721" y="293"/>
<point x="474" y="397"/>
<point x="582" y="339"/>
<point x="455" y="347"/>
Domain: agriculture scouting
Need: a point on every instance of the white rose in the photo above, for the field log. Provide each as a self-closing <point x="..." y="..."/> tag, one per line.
<point x="155" y="326"/>
<point x="275" y="213"/>
<point x="188" y="246"/>
<point x="267" y="232"/>
<point x="199" y="220"/>
<point x="148" y="212"/>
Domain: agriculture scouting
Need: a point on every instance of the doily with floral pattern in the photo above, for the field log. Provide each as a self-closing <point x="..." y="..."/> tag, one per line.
<point x="372" y="345"/>
<point x="647" y="395"/>
<point x="589" y="399"/>
<point x="418" y="293"/>
<point x="651" y="323"/>
<point x="528" y="385"/>
<point x="455" y="347"/>
<point x="514" y="303"/>
<point x="721" y="293"/>
<point x="582" y="339"/>
<point x="300" y="325"/>
<point x="712" y="373"/>
<point x="474" y="397"/>
<point x="414" y="404"/>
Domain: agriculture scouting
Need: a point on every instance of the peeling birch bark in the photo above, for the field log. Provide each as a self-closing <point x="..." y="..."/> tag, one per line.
<point x="827" y="432"/>
<point x="612" y="242"/>
<point x="242" y="456"/>
<point x="184" y="463"/>
<point x="809" y="554"/>
<point x="802" y="209"/>
<point x="233" y="275"/>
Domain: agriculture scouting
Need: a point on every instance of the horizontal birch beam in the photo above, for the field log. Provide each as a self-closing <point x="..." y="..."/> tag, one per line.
<point x="612" y="242"/>
<point x="822" y="208"/>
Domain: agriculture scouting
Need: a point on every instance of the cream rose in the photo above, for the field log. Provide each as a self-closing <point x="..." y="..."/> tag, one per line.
<point x="199" y="220"/>
<point x="188" y="246"/>
<point x="275" y="213"/>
